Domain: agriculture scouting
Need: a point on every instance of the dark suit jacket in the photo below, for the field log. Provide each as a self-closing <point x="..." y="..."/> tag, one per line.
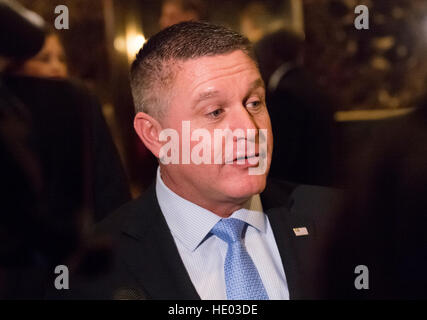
<point x="78" y="160"/>
<point x="147" y="264"/>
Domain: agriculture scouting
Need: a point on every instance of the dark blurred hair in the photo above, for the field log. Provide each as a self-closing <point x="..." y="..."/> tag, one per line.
<point x="21" y="31"/>
<point x="277" y="48"/>
<point x="155" y="64"/>
<point x="16" y="64"/>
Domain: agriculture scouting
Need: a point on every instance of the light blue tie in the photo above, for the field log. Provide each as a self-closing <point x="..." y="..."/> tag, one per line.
<point x="242" y="279"/>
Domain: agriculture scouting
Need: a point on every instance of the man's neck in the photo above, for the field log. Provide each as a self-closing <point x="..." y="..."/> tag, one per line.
<point x="224" y="209"/>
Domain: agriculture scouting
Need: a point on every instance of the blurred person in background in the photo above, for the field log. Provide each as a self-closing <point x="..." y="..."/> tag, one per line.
<point x="49" y="62"/>
<point x="175" y="11"/>
<point x="59" y="168"/>
<point x="254" y="20"/>
<point x="109" y="190"/>
<point x="259" y="18"/>
<point x="301" y="113"/>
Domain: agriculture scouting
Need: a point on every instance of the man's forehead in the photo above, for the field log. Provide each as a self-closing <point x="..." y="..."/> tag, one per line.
<point x="211" y="92"/>
<point x="200" y="72"/>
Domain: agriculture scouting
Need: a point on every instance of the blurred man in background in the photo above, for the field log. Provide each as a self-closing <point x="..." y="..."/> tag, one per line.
<point x="302" y="114"/>
<point x="175" y="11"/>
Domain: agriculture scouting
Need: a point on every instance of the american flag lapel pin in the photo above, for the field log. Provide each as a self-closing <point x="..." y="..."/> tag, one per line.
<point x="302" y="231"/>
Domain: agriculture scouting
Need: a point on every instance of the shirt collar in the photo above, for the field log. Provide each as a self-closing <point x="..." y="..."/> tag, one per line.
<point x="191" y="224"/>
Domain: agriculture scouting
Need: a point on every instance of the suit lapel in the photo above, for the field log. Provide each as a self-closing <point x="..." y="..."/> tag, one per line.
<point x="294" y="250"/>
<point x="286" y="248"/>
<point x="151" y="254"/>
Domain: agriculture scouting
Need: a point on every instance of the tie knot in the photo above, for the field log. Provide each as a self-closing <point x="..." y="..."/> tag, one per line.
<point x="229" y="230"/>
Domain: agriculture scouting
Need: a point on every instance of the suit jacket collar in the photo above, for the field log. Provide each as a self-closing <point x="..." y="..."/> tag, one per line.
<point x="282" y="203"/>
<point x="153" y="257"/>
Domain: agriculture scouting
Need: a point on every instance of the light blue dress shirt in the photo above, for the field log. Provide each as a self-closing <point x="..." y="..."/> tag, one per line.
<point x="203" y="254"/>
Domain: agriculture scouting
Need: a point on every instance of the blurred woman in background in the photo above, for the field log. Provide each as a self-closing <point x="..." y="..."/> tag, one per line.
<point x="49" y="62"/>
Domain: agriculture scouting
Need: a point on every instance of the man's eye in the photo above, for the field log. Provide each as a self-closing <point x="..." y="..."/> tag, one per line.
<point x="254" y="104"/>
<point x="215" y="114"/>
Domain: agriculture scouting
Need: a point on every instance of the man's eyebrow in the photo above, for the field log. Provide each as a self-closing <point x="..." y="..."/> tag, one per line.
<point x="258" y="83"/>
<point x="206" y="95"/>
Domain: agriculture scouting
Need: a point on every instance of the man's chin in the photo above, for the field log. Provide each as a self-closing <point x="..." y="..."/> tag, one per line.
<point x="246" y="187"/>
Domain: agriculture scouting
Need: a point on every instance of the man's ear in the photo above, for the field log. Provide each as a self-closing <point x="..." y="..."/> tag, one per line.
<point x="148" y="130"/>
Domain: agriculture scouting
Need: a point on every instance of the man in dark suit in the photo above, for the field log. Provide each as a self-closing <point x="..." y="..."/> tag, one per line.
<point x="302" y="115"/>
<point x="211" y="227"/>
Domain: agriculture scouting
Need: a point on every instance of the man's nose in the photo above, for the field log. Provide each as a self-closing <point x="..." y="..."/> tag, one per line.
<point x="241" y="118"/>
